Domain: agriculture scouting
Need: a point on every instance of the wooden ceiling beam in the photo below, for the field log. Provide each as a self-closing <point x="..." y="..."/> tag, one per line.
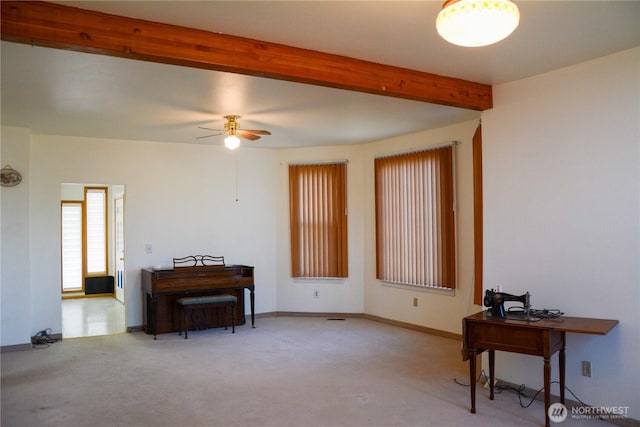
<point x="64" y="27"/>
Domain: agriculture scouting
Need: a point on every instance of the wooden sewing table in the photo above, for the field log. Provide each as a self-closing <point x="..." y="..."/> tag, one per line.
<point x="539" y="338"/>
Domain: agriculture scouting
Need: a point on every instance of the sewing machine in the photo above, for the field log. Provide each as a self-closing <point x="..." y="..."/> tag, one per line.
<point x="495" y="301"/>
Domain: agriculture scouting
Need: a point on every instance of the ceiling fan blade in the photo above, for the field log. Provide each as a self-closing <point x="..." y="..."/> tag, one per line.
<point x="208" y="136"/>
<point x="232" y="128"/>
<point x="247" y="135"/>
<point x="259" y="132"/>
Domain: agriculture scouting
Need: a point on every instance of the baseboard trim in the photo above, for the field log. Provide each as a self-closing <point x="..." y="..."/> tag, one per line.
<point x="391" y="322"/>
<point x="78" y="296"/>
<point x="316" y="314"/>
<point x="569" y="403"/>
<point x="411" y="326"/>
<point x="15" y="347"/>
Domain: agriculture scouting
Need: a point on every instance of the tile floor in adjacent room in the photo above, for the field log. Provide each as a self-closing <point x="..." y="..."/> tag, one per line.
<point x="86" y="317"/>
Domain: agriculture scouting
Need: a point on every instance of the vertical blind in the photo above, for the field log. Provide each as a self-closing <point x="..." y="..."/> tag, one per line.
<point x="71" y="246"/>
<point x="96" y="229"/>
<point x="415" y="224"/>
<point x="318" y="215"/>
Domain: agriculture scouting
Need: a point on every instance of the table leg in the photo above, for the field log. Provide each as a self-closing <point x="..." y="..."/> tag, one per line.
<point x="472" y="378"/>
<point x="562" y="361"/>
<point x="253" y="304"/>
<point x="547" y="389"/>
<point x="492" y="372"/>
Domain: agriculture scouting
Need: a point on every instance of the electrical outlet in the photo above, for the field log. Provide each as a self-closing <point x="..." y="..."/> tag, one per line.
<point x="315" y="293"/>
<point x="415" y="302"/>
<point x="149" y="248"/>
<point x="586" y="368"/>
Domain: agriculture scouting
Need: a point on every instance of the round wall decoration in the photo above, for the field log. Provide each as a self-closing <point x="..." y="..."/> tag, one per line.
<point x="10" y="177"/>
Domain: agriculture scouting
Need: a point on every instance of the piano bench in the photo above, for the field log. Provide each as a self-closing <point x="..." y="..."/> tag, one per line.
<point x="188" y="304"/>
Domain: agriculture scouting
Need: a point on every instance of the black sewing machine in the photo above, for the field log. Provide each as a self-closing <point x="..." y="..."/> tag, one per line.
<point x="495" y="301"/>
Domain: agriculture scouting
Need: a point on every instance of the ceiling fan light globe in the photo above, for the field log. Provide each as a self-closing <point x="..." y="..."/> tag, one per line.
<point x="475" y="23"/>
<point x="232" y="142"/>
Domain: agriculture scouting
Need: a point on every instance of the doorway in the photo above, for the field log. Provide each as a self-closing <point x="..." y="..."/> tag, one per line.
<point x="93" y="259"/>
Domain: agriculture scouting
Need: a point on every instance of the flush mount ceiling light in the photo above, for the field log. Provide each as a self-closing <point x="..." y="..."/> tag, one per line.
<point x="475" y="23"/>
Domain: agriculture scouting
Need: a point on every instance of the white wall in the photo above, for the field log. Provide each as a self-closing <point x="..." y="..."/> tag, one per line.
<point x="361" y="291"/>
<point x="15" y="291"/>
<point x="334" y="295"/>
<point x="561" y="196"/>
<point x="181" y="198"/>
<point x="437" y="309"/>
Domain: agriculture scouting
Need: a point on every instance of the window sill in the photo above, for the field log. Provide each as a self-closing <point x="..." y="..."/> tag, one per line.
<point x="319" y="279"/>
<point x="419" y="288"/>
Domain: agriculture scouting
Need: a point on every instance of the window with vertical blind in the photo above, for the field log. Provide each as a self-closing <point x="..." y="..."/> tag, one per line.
<point x="415" y="222"/>
<point x="96" y="230"/>
<point x="71" y="215"/>
<point x="84" y="238"/>
<point x="318" y="216"/>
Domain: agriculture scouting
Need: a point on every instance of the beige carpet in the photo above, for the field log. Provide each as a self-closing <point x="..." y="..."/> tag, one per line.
<point x="288" y="371"/>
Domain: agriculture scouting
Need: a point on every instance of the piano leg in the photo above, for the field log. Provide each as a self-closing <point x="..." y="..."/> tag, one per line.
<point x="155" y="315"/>
<point x="154" y="311"/>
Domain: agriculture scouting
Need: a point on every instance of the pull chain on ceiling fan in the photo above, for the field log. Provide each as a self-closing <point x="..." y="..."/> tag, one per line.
<point x="233" y="132"/>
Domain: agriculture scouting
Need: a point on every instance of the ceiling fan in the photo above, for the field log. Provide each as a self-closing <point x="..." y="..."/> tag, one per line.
<point x="233" y="132"/>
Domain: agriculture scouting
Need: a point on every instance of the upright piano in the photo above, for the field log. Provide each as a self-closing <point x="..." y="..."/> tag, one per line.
<point x="161" y="288"/>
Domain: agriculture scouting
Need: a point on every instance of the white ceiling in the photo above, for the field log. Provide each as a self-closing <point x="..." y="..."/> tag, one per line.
<point x="69" y="93"/>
